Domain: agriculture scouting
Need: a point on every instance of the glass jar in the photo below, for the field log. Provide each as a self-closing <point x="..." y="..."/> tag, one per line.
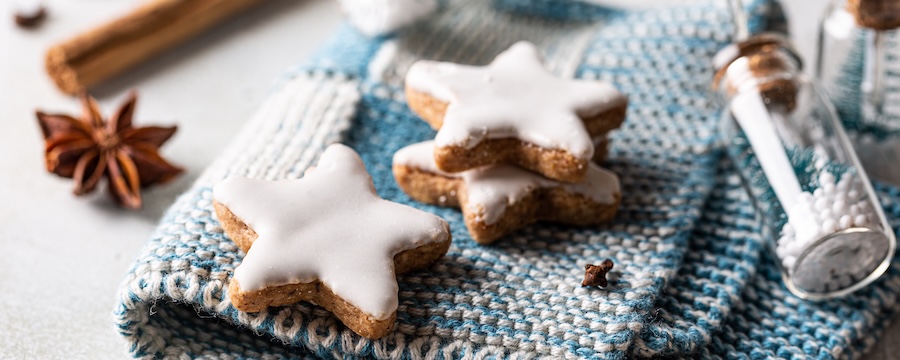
<point x="858" y="65"/>
<point x="819" y="212"/>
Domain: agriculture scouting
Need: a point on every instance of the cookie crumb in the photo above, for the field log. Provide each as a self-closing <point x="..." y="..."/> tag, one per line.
<point x="595" y="275"/>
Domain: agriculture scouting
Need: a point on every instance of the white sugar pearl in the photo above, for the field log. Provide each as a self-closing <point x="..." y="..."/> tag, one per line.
<point x="829" y="225"/>
<point x="805" y="197"/>
<point x="805" y="223"/>
<point x="864" y="205"/>
<point x="854" y="210"/>
<point x="825" y="214"/>
<point x="846" y="221"/>
<point x="787" y="230"/>
<point x="794" y="246"/>
<point x="860" y="220"/>
<point x="826" y="178"/>
<point x="821" y="204"/>
<point x="789" y="261"/>
<point x="839" y="207"/>
<point x="843" y="184"/>
<point x="843" y="194"/>
<point x="818" y="193"/>
<point x="781" y="250"/>
<point x="853" y="194"/>
<point x="801" y="242"/>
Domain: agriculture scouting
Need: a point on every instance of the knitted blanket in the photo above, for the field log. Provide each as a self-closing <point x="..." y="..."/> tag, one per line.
<point x="691" y="277"/>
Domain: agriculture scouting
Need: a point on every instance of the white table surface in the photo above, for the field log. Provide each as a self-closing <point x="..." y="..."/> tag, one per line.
<point x="65" y="256"/>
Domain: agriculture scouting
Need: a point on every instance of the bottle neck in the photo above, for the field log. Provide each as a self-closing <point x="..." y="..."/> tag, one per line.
<point x="765" y="64"/>
<point x="874" y="14"/>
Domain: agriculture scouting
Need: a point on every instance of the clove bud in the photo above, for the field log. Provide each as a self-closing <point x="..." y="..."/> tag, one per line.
<point x="595" y="275"/>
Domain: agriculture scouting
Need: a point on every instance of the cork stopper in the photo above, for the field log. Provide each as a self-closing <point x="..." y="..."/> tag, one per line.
<point x="765" y="63"/>
<point x="875" y="14"/>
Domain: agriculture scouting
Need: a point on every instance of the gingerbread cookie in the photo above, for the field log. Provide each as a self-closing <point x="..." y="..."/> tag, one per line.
<point x="601" y="149"/>
<point x="498" y="199"/>
<point x="513" y="111"/>
<point x="327" y="239"/>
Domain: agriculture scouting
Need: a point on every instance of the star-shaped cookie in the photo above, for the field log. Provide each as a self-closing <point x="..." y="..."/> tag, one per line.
<point x="498" y="199"/>
<point x="513" y="111"/>
<point x="328" y="239"/>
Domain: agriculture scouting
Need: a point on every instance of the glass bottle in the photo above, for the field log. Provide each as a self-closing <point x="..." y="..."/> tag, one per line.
<point x="858" y="65"/>
<point x="819" y="212"/>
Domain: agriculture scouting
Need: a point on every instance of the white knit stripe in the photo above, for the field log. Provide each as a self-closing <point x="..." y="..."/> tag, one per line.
<point x="459" y="18"/>
<point x="250" y="156"/>
<point x="321" y="117"/>
<point x="567" y="55"/>
<point x="338" y="118"/>
<point x="478" y="49"/>
<point x="302" y="118"/>
<point x="236" y="158"/>
<point x="289" y="130"/>
<point x="292" y="120"/>
<point x="503" y="29"/>
<point x="381" y="63"/>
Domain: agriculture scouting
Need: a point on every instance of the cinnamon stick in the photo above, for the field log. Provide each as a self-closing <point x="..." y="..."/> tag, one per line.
<point x="100" y="53"/>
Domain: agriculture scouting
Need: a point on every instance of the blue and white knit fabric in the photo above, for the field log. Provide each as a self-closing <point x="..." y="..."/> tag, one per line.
<point x="691" y="278"/>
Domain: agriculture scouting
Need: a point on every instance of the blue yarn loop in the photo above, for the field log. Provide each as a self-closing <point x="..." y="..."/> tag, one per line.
<point x="690" y="277"/>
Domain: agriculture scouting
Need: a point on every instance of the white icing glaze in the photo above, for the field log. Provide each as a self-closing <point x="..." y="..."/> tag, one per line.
<point x="493" y="188"/>
<point x="514" y="96"/>
<point x="379" y="17"/>
<point x="329" y="225"/>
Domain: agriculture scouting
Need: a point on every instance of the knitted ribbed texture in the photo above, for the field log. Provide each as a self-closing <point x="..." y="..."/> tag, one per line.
<point x="684" y="242"/>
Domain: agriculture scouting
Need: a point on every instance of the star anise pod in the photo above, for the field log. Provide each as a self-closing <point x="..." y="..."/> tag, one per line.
<point x="89" y="148"/>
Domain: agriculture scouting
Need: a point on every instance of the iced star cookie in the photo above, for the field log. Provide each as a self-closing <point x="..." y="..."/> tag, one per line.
<point x="498" y="199"/>
<point x="513" y="111"/>
<point x="327" y="239"/>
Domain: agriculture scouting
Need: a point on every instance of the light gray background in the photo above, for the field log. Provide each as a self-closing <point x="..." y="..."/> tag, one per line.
<point x="63" y="257"/>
